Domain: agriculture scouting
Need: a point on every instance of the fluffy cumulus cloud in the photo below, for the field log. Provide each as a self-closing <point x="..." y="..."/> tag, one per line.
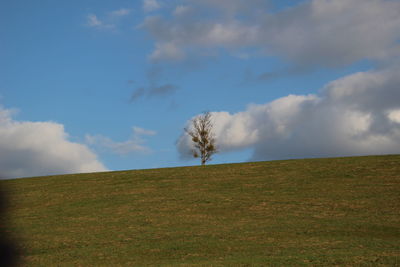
<point x="135" y="144"/>
<point x="40" y="148"/>
<point x="356" y="115"/>
<point x="311" y="33"/>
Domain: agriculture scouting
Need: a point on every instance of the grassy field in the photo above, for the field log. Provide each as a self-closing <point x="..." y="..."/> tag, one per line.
<point x="341" y="211"/>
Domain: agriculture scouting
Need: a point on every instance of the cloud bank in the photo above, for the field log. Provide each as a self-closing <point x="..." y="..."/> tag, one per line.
<point x="40" y="148"/>
<point x="310" y="34"/>
<point x="356" y="115"/>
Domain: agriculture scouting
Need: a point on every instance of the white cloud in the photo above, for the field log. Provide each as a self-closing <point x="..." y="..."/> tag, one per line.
<point x="314" y="33"/>
<point x="40" y="148"/>
<point x="151" y="5"/>
<point x="133" y="145"/>
<point x="355" y="115"/>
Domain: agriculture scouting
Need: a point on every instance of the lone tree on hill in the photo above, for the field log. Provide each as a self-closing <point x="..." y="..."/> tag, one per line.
<point x="202" y="136"/>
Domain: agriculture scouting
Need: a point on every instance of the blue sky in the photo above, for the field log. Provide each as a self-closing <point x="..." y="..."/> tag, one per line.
<point x="110" y="85"/>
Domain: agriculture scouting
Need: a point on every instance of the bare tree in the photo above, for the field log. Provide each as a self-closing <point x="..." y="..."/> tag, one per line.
<point x="201" y="132"/>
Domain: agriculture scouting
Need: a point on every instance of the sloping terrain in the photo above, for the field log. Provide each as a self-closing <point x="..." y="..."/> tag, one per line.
<point x="340" y="211"/>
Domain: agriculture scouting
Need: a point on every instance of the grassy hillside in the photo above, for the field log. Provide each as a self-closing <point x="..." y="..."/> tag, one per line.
<point x="342" y="211"/>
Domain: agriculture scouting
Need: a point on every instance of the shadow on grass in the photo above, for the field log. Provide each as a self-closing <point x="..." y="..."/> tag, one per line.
<point x="8" y="249"/>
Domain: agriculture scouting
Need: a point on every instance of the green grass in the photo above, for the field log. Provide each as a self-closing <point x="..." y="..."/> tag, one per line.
<point x="341" y="211"/>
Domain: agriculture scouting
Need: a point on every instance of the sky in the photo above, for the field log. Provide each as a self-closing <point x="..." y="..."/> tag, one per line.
<point x="90" y="86"/>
